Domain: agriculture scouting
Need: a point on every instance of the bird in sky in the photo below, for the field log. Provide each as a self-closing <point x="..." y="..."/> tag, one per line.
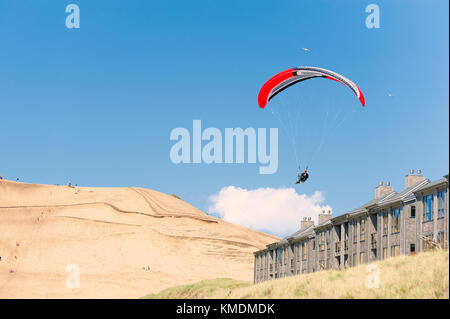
<point x="306" y="49"/>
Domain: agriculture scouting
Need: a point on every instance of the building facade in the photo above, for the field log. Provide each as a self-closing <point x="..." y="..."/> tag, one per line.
<point x="391" y="224"/>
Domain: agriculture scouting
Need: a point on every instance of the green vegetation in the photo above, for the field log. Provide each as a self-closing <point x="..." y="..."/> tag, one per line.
<point x="175" y="196"/>
<point x="423" y="276"/>
<point x="202" y="289"/>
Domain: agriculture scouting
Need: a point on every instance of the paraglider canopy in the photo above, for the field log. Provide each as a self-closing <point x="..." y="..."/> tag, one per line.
<point x="285" y="79"/>
<point x="288" y="112"/>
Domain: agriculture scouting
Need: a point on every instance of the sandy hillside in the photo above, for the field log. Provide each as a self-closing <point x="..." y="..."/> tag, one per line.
<point x="126" y="242"/>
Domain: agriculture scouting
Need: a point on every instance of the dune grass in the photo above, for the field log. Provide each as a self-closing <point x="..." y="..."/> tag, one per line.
<point x="202" y="289"/>
<point x="422" y="276"/>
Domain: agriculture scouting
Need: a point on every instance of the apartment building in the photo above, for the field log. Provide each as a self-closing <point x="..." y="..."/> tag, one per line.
<point x="389" y="225"/>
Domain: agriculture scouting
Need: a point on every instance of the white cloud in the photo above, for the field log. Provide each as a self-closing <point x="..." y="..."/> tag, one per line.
<point x="274" y="210"/>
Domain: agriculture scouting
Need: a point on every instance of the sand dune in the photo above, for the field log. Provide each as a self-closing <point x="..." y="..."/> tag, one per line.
<point x="114" y="236"/>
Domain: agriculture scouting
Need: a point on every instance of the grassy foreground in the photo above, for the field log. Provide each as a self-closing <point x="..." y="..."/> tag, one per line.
<point x="425" y="275"/>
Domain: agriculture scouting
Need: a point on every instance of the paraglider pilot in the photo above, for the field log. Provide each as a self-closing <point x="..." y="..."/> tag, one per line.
<point x="302" y="177"/>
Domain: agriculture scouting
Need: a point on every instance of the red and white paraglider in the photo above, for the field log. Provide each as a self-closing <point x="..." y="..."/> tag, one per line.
<point x="283" y="80"/>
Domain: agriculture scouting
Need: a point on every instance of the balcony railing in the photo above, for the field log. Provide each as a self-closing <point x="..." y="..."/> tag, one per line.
<point x="373" y="241"/>
<point x="337" y="248"/>
<point x="346" y="245"/>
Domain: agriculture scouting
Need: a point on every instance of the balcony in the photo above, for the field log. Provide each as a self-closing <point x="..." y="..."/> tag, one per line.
<point x="373" y="241"/>
<point x="337" y="247"/>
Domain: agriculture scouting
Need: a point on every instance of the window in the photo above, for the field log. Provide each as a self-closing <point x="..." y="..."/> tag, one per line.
<point x="412" y="212"/>
<point x="322" y="240"/>
<point x="440" y="237"/>
<point x="355" y="231"/>
<point x="395" y="220"/>
<point x="279" y="255"/>
<point x="362" y="258"/>
<point x="428" y="208"/>
<point x="385" y="223"/>
<point x="304" y="250"/>
<point x="285" y="255"/>
<point x="362" y="230"/>
<point x="313" y="244"/>
<point x="441" y="206"/>
<point x="412" y="248"/>
<point x="384" y="253"/>
<point x="327" y="239"/>
<point x="427" y="243"/>
<point x="395" y="250"/>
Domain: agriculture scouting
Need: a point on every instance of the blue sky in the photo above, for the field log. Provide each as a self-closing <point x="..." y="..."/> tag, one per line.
<point x="96" y="105"/>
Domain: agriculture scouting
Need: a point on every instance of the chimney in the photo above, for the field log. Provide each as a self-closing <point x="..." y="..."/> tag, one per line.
<point x="412" y="178"/>
<point x="325" y="216"/>
<point x="306" y="222"/>
<point x="381" y="190"/>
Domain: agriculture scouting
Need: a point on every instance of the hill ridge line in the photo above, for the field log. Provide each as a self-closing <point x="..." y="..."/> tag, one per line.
<point x="113" y="207"/>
